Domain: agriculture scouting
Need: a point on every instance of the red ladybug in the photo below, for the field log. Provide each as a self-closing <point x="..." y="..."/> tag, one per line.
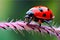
<point x="39" y="14"/>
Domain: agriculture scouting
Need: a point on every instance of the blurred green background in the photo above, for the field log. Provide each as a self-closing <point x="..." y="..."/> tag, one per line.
<point x="16" y="9"/>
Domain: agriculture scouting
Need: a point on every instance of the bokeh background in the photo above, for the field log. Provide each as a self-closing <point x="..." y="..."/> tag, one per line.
<point x="16" y="9"/>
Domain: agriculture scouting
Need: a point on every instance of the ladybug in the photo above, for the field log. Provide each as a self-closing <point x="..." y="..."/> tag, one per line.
<point x="39" y="14"/>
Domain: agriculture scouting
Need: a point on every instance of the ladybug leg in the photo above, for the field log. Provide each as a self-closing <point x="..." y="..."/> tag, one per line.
<point x="39" y="28"/>
<point x="47" y="23"/>
<point x="39" y="25"/>
<point x="29" y="20"/>
<point x="52" y="28"/>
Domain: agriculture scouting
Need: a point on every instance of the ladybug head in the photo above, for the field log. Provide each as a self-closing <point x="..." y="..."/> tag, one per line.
<point x="29" y="15"/>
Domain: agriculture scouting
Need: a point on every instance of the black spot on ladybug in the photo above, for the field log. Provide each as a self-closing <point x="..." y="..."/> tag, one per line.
<point x="41" y="9"/>
<point x="44" y="15"/>
<point x="50" y="15"/>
